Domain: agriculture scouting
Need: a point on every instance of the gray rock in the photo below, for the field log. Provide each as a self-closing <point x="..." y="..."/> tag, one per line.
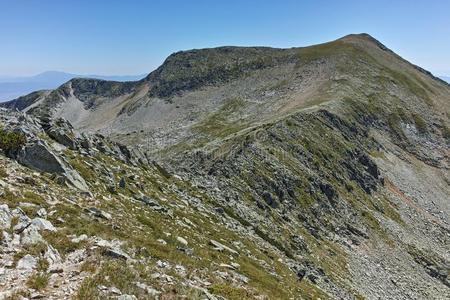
<point x="62" y="137"/>
<point x="115" y="290"/>
<point x="126" y="297"/>
<point x="147" y="200"/>
<point x="52" y="256"/>
<point x="43" y="224"/>
<point x="227" y="266"/>
<point x="5" y="217"/>
<point x="42" y="212"/>
<point x="23" y="221"/>
<point x="31" y="236"/>
<point x="115" y="253"/>
<point x="99" y="213"/>
<point x="148" y="289"/>
<point x="40" y="157"/>
<point x="28" y="262"/>
<point x="220" y="247"/>
<point x="80" y="238"/>
<point x="122" y="183"/>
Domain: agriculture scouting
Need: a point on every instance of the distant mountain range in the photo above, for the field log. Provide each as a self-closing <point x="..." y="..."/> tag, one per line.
<point x="13" y="87"/>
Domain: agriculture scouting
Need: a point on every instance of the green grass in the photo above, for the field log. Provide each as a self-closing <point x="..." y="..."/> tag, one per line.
<point x="61" y="242"/>
<point x="3" y="173"/>
<point x="10" y="141"/>
<point x="85" y="172"/>
<point x="38" y="281"/>
<point x="221" y="123"/>
<point x="412" y="84"/>
<point x="420" y="123"/>
<point x="230" y="292"/>
<point x="9" y="198"/>
<point x="36" y="250"/>
<point x="112" y="273"/>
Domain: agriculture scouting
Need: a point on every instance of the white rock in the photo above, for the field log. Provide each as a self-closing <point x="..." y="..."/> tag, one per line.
<point x="42" y="212"/>
<point x="227" y="266"/>
<point x="80" y="238"/>
<point x="31" y="236"/>
<point x="27" y="262"/>
<point x="162" y="264"/>
<point x="23" y="220"/>
<point x="27" y="205"/>
<point x="15" y="240"/>
<point x="220" y="247"/>
<point x="182" y="240"/>
<point x="161" y="241"/>
<point x="116" y="253"/>
<point x="115" y="290"/>
<point x="6" y="237"/>
<point x="5" y="217"/>
<point x="43" y="224"/>
<point x="52" y="255"/>
<point x="151" y="291"/>
<point x="127" y="297"/>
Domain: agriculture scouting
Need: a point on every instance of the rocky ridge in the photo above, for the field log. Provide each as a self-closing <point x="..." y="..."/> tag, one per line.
<point x="248" y="173"/>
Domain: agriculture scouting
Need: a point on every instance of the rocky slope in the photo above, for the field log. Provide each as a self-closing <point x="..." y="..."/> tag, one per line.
<point x="302" y="173"/>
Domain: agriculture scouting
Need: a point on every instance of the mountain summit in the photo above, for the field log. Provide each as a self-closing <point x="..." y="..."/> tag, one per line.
<point x="237" y="173"/>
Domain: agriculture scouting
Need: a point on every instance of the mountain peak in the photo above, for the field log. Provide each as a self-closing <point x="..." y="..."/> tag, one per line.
<point x="295" y="172"/>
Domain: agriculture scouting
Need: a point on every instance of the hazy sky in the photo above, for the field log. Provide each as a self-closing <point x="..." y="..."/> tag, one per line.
<point x="133" y="37"/>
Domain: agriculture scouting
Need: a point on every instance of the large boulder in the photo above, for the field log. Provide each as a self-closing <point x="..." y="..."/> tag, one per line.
<point x="39" y="156"/>
<point x="43" y="224"/>
<point x="31" y="236"/>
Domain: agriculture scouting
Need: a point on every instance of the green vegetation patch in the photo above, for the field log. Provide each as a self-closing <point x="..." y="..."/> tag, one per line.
<point x="230" y="292"/>
<point x="38" y="281"/>
<point x="420" y="123"/>
<point x="11" y="141"/>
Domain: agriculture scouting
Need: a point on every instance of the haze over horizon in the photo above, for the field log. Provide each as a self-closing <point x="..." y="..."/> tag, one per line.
<point x="112" y="38"/>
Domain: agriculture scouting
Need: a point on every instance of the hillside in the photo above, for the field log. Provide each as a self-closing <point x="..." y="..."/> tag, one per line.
<point x="236" y="173"/>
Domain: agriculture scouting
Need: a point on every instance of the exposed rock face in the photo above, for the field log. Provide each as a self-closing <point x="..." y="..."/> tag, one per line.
<point x="317" y="172"/>
<point x="61" y="131"/>
<point x="27" y="262"/>
<point x="5" y="217"/>
<point x="38" y="156"/>
<point x="46" y="156"/>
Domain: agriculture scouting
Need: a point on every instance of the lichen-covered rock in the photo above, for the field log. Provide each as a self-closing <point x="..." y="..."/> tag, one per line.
<point x="40" y="157"/>
<point x="27" y="262"/>
<point x="43" y="224"/>
<point x="5" y="217"/>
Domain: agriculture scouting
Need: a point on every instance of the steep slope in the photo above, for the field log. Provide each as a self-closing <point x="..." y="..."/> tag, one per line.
<point x="331" y="161"/>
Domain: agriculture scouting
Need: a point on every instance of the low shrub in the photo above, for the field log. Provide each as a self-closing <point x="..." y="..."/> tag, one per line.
<point x="11" y="141"/>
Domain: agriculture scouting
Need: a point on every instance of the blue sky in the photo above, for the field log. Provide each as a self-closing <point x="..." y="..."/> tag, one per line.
<point x="133" y="37"/>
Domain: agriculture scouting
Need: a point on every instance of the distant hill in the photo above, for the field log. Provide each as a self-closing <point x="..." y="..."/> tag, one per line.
<point x="13" y="87"/>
